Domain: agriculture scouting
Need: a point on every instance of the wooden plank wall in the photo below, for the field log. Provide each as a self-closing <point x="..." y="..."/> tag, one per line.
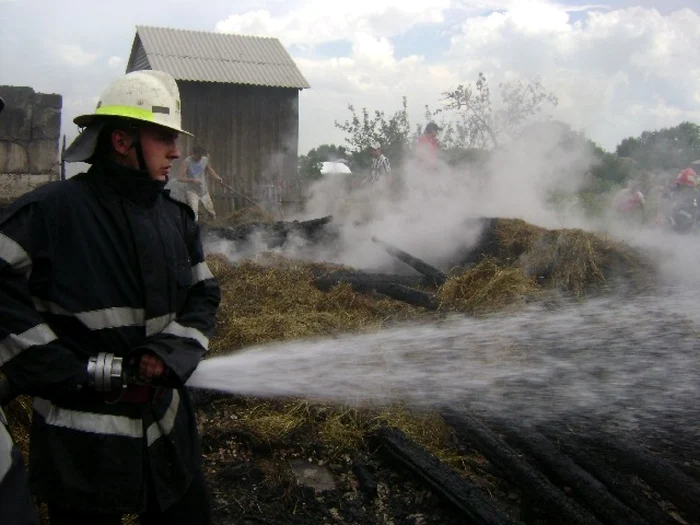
<point x="251" y="134"/>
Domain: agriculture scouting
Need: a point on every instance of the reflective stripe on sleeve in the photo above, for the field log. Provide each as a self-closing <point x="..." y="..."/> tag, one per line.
<point x="164" y="425"/>
<point x="14" y="254"/>
<point x="157" y="324"/>
<point x="13" y="344"/>
<point x="179" y="330"/>
<point x="201" y="272"/>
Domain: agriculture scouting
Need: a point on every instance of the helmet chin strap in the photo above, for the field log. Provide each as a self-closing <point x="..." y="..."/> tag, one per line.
<point x="139" y="157"/>
<point x="136" y="144"/>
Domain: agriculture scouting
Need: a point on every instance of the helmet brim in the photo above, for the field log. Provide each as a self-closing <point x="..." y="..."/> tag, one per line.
<point x="84" y="121"/>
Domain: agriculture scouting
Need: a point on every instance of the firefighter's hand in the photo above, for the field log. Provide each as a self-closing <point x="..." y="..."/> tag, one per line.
<point x="150" y="367"/>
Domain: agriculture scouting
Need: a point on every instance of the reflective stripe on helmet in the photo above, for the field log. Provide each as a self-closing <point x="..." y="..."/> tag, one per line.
<point x="126" y="111"/>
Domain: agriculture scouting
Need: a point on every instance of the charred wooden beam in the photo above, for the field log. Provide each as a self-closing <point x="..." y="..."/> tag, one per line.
<point x="619" y="484"/>
<point x="536" y="486"/>
<point x="385" y="286"/>
<point x="434" y="277"/>
<point x="273" y="234"/>
<point x="410" y="295"/>
<point x="445" y="481"/>
<point x="366" y="480"/>
<point x="586" y="488"/>
<point x="664" y="477"/>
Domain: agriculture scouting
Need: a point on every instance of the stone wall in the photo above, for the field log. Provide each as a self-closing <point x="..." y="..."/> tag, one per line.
<point x="30" y="130"/>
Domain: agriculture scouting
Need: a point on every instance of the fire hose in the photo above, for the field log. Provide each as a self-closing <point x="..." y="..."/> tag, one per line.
<point x="106" y="372"/>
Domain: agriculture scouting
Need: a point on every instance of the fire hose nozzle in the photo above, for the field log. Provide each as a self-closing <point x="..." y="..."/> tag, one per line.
<point x="106" y="372"/>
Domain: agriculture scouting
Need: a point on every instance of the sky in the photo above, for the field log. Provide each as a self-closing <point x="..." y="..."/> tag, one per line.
<point x="618" y="67"/>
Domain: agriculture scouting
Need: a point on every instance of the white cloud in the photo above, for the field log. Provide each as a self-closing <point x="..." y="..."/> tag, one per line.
<point x="600" y="66"/>
<point x="115" y="61"/>
<point x="318" y="21"/>
<point x="603" y="64"/>
<point x="75" y="55"/>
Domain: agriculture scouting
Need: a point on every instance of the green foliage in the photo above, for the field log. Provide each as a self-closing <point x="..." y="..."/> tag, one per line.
<point x="393" y="133"/>
<point x="668" y="148"/>
<point x="480" y="124"/>
<point x="610" y="170"/>
<point x="309" y="165"/>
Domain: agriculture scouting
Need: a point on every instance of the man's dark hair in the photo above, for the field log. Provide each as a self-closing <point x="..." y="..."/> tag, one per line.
<point x="431" y="127"/>
<point x="104" y="141"/>
<point x="199" y="150"/>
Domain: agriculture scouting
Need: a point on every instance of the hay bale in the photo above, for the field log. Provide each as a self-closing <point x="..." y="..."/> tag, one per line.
<point x="570" y="260"/>
<point x="262" y="303"/>
<point x="502" y="239"/>
<point x="582" y="263"/>
<point x="486" y="288"/>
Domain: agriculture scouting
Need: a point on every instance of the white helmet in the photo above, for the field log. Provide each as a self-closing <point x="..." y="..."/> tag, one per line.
<point x="145" y="96"/>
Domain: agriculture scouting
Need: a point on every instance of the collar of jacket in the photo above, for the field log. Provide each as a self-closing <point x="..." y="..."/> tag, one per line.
<point x="133" y="185"/>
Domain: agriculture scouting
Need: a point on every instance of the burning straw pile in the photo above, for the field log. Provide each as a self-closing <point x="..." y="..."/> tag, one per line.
<point x="273" y="298"/>
<point x="571" y="260"/>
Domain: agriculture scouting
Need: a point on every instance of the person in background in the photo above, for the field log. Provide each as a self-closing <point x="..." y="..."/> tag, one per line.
<point x="630" y="204"/>
<point x="381" y="168"/>
<point x="193" y="173"/>
<point x="428" y="147"/>
<point x="106" y="263"/>
<point x="683" y="201"/>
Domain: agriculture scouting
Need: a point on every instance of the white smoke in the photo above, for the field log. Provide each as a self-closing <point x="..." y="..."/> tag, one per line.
<point x="430" y="212"/>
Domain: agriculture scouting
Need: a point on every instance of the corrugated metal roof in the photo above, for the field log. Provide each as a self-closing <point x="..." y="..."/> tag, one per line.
<point x="219" y="57"/>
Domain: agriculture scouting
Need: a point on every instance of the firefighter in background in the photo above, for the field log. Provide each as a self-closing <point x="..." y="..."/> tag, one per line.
<point x="630" y="204"/>
<point x="106" y="261"/>
<point x="683" y="201"/>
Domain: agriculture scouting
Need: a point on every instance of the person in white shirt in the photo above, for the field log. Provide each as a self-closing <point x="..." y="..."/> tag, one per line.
<point x="380" y="164"/>
<point x="193" y="173"/>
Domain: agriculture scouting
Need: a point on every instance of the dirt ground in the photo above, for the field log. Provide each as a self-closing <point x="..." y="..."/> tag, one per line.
<point x="297" y="480"/>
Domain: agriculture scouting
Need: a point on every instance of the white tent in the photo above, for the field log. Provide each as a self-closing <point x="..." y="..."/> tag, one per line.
<point x="335" y="168"/>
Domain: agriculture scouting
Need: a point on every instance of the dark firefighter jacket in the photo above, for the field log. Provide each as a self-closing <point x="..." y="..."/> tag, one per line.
<point x="104" y="262"/>
<point x="16" y="504"/>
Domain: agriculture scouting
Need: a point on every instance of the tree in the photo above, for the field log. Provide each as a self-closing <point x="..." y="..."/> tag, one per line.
<point x="480" y="124"/>
<point x="667" y="148"/>
<point x="309" y="165"/>
<point x="393" y="133"/>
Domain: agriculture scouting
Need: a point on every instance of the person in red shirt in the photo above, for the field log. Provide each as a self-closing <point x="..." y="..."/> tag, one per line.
<point x="428" y="146"/>
<point x="630" y="203"/>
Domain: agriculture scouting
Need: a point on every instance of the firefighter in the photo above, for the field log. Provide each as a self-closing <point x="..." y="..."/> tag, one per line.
<point x="106" y="261"/>
<point x="682" y="215"/>
<point x="16" y="505"/>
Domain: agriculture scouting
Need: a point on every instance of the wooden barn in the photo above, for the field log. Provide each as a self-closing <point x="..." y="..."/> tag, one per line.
<point x="240" y="98"/>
